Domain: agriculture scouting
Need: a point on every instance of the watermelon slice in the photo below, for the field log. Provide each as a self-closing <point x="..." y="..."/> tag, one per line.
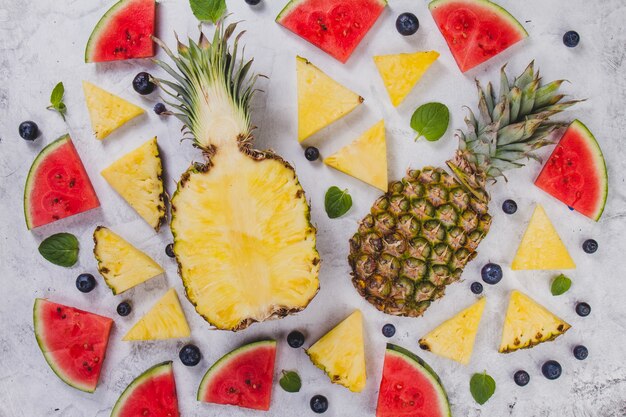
<point x="57" y="185"/>
<point x="576" y="172"/>
<point x="475" y="30"/>
<point x="124" y="32"/>
<point x="74" y="342"/>
<point x="243" y="377"/>
<point x="410" y="387"/>
<point x="335" y="26"/>
<point x="152" y="393"/>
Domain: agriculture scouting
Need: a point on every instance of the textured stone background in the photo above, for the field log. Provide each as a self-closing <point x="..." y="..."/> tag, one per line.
<point x="42" y="42"/>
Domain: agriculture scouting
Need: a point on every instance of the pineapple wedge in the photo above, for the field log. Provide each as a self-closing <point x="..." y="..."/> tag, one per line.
<point x="321" y="100"/>
<point x="121" y="264"/>
<point x="454" y="339"/>
<point x="400" y="72"/>
<point x="165" y="320"/>
<point x="136" y="176"/>
<point x="541" y="246"/>
<point x="365" y="158"/>
<point x="528" y="323"/>
<point x="341" y="353"/>
<point x="107" y="111"/>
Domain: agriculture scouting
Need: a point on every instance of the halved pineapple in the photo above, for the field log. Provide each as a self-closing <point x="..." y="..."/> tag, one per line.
<point x="121" y="264"/>
<point x="341" y="353"/>
<point x="528" y="323"/>
<point x="136" y="176"/>
<point x="106" y="110"/>
<point x="165" y="320"/>
<point x="365" y="158"/>
<point x="321" y="100"/>
<point x="454" y="339"/>
<point x="400" y="72"/>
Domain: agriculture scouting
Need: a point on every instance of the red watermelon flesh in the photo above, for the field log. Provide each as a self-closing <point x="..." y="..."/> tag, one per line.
<point x="57" y="185"/>
<point x="124" y="32"/>
<point x="243" y="377"/>
<point x="475" y="30"/>
<point x="152" y="393"/>
<point x="409" y="387"/>
<point x="576" y="173"/>
<point x="335" y="26"/>
<point x="74" y="342"/>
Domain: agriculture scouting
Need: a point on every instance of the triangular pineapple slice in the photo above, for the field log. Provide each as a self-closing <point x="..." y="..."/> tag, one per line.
<point x="321" y="100"/>
<point x="165" y="320"/>
<point x="454" y="338"/>
<point x="365" y="158"/>
<point x="136" y="176"/>
<point x="527" y="324"/>
<point x="107" y="111"/>
<point x="541" y="246"/>
<point x="400" y="72"/>
<point x="121" y="264"/>
<point x="341" y="353"/>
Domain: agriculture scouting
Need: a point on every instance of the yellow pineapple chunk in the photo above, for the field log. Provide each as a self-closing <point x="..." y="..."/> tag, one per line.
<point x="341" y="353"/>
<point x="107" y="111"/>
<point x="321" y="100"/>
<point x="165" y="320"/>
<point x="121" y="264"/>
<point x="454" y="338"/>
<point x="365" y="158"/>
<point x="541" y="246"/>
<point x="400" y="72"/>
<point x="528" y="323"/>
<point x="136" y="176"/>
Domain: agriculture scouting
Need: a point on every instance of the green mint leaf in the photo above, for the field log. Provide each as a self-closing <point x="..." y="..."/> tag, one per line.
<point x="208" y="10"/>
<point x="482" y="387"/>
<point x="290" y="381"/>
<point x="430" y="120"/>
<point x="60" y="249"/>
<point x="56" y="97"/>
<point x="337" y="202"/>
<point x="560" y="285"/>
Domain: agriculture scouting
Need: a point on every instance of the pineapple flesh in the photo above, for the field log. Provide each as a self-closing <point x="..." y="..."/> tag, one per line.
<point x="420" y="235"/>
<point x="243" y="237"/>
<point x="165" y="320"/>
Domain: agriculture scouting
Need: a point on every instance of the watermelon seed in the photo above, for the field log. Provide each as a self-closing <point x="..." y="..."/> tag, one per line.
<point x="96" y="359"/>
<point x="399" y="387"/>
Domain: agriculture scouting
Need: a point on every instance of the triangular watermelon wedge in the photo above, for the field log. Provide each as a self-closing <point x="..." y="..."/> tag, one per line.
<point x="475" y="30"/>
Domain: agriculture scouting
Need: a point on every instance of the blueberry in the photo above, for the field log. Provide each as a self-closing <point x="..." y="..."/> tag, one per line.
<point x="581" y="352"/>
<point x="29" y="130"/>
<point x="590" y="246"/>
<point x="85" y="283"/>
<point x="407" y="24"/>
<point x="491" y="273"/>
<point x="509" y="206"/>
<point x="571" y="38"/>
<point x="476" y="287"/>
<point x="583" y="309"/>
<point x="169" y="250"/>
<point x="319" y="404"/>
<point x="521" y="378"/>
<point x="159" y="108"/>
<point x="389" y="330"/>
<point x="311" y="153"/>
<point x="295" y="339"/>
<point x="551" y="369"/>
<point x="143" y="83"/>
<point x="124" y="308"/>
<point x="190" y="355"/>
<point x="253" y="2"/>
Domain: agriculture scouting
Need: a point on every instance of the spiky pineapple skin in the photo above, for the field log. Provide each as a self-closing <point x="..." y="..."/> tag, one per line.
<point x="416" y="240"/>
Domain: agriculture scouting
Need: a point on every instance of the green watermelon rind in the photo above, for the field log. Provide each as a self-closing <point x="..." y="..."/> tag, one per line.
<point x="225" y="360"/>
<point x="30" y="179"/>
<point x="157" y="370"/>
<point x="293" y="4"/>
<point x="425" y="369"/>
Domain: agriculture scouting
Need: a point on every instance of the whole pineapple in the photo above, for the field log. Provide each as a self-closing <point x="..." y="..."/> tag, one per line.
<point x="243" y="239"/>
<point x="420" y="235"/>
